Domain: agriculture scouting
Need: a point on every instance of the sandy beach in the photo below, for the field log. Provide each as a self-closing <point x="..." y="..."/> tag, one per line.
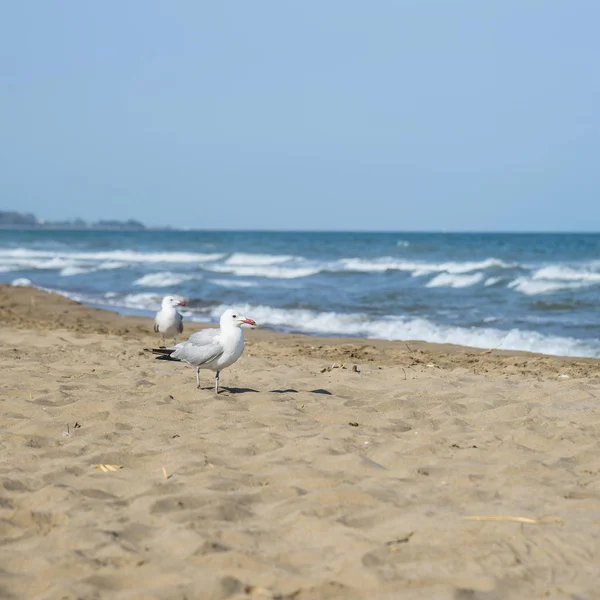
<point x="326" y="467"/>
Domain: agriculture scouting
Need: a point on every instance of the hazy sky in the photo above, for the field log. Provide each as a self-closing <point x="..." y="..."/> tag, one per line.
<point x="337" y="114"/>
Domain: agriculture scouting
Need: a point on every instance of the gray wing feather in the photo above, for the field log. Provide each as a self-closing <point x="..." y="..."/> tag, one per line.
<point x="206" y="336"/>
<point x="197" y="355"/>
<point x="201" y="348"/>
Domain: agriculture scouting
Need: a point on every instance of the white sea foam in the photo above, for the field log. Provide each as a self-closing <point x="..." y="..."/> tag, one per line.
<point x="52" y="263"/>
<point x="556" y="278"/>
<point x="272" y="266"/>
<point x="231" y="283"/>
<point x="378" y="265"/>
<point x="242" y="258"/>
<point x="35" y="258"/>
<point x="454" y="281"/>
<point x="492" y="281"/>
<point x="404" y="328"/>
<point x="73" y="270"/>
<point x="268" y="271"/>
<point x="533" y="287"/>
<point x="80" y="267"/>
<point x="143" y="301"/>
<point x="418" y="268"/>
<point x="22" y="282"/>
<point x="241" y="264"/>
<point x="562" y="273"/>
<point x="165" y="279"/>
<point x="111" y="264"/>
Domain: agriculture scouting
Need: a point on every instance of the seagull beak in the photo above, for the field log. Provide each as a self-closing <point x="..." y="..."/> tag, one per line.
<point x="249" y="322"/>
<point x="181" y="303"/>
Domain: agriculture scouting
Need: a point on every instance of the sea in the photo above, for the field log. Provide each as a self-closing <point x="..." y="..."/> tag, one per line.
<point x="536" y="292"/>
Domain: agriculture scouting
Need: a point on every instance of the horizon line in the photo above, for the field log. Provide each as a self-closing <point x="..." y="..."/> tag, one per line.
<point x="341" y="231"/>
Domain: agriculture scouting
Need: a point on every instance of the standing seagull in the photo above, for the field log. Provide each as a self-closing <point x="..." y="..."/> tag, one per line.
<point x="213" y="349"/>
<point x="167" y="320"/>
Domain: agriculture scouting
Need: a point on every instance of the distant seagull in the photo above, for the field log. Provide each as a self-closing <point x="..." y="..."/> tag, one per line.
<point x="168" y="321"/>
<point x="213" y="349"/>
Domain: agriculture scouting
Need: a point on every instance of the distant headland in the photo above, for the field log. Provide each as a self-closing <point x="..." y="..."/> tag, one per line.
<point x="16" y="220"/>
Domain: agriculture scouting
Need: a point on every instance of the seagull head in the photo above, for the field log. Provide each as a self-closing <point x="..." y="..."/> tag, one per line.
<point x="172" y="301"/>
<point x="232" y="318"/>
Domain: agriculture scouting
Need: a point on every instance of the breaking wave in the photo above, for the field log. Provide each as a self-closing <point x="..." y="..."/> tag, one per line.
<point x="232" y="283"/>
<point x="166" y="279"/>
<point x="417" y="268"/>
<point x="557" y="278"/>
<point x="405" y="328"/>
<point x="454" y="281"/>
<point x="267" y="271"/>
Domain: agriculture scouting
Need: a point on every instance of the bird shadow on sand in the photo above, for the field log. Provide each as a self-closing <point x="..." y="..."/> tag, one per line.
<point x="293" y="391"/>
<point x="233" y="390"/>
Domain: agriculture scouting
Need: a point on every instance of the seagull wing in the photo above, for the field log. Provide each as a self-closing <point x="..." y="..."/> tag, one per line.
<point x="206" y="336"/>
<point x="201" y="348"/>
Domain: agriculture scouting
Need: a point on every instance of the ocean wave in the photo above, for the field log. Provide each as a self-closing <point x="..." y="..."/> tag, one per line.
<point x="267" y="271"/>
<point x="111" y="264"/>
<point x="79" y="268"/>
<point x="563" y="273"/>
<point x="271" y="266"/>
<point x="26" y="256"/>
<point x="73" y="270"/>
<point x="148" y="302"/>
<point x="454" y="281"/>
<point x="48" y="264"/>
<point x="243" y="258"/>
<point x="555" y="278"/>
<point x="242" y="264"/>
<point x="418" y="268"/>
<point x="404" y="328"/>
<point x="533" y="287"/>
<point x="142" y="301"/>
<point x="490" y="281"/>
<point x="22" y="282"/>
<point x="165" y="279"/>
<point x="231" y="283"/>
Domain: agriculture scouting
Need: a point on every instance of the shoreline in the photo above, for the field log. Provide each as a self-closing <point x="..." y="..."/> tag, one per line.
<point x="28" y="307"/>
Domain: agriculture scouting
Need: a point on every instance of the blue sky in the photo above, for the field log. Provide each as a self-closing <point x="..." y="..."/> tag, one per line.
<point x="388" y="115"/>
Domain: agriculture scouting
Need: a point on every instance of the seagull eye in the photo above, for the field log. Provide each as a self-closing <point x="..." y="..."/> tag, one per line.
<point x="235" y="316"/>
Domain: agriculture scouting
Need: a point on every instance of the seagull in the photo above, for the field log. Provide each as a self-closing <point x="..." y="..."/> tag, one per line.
<point x="213" y="349"/>
<point x="167" y="320"/>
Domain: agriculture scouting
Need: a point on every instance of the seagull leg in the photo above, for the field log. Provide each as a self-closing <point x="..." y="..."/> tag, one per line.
<point x="217" y="383"/>
<point x="175" y="341"/>
<point x="198" y="377"/>
<point x="163" y="340"/>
